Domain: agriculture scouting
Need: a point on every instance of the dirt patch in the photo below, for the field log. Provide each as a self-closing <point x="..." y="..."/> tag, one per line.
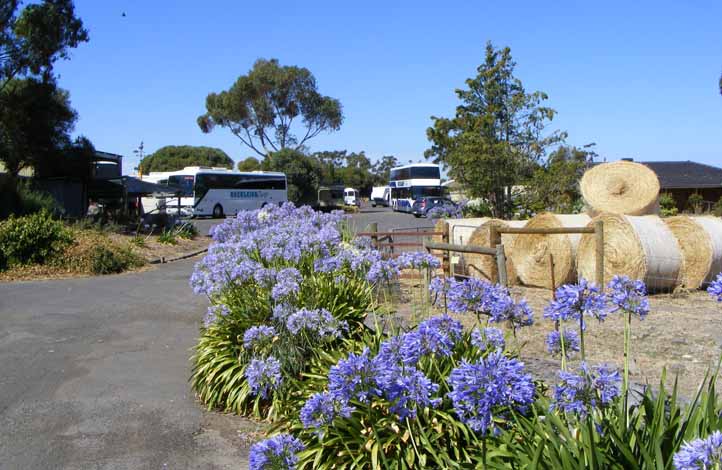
<point x="152" y="249"/>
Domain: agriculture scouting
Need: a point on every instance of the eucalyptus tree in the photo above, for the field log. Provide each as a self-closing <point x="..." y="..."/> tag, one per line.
<point x="265" y="107"/>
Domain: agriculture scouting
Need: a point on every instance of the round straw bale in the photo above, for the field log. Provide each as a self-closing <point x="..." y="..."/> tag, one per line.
<point x="620" y="188"/>
<point x="640" y="247"/>
<point x="700" y="240"/>
<point x="531" y="253"/>
<point x="484" y="266"/>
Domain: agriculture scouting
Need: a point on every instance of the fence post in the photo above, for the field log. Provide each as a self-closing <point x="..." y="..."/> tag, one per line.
<point x="599" y="241"/>
<point x="446" y="257"/>
<point x="501" y="265"/>
<point x="554" y="281"/>
<point x="374" y="228"/>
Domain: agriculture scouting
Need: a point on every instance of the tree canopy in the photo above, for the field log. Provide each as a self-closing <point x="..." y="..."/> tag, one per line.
<point x="554" y="186"/>
<point x="495" y="138"/>
<point x="249" y="164"/>
<point x="32" y="41"/>
<point x="302" y="173"/>
<point x="264" y="107"/>
<point x="35" y="123"/>
<point x="176" y="157"/>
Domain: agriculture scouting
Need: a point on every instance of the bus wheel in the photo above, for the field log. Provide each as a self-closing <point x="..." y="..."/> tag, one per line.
<point x="218" y="211"/>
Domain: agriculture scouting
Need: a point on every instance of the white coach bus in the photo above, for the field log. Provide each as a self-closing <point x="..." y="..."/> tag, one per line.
<point x="218" y="192"/>
<point x="411" y="182"/>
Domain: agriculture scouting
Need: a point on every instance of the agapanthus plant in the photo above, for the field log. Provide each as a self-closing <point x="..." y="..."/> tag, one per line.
<point x="629" y="297"/>
<point x="287" y="269"/>
<point x="276" y="453"/>
<point x="483" y="392"/>
<point x="488" y="339"/>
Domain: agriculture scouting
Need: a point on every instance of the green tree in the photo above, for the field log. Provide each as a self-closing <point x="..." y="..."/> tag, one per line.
<point x="357" y="172"/>
<point x="695" y="203"/>
<point x="249" y="164"/>
<point x="495" y="137"/>
<point x="35" y="124"/>
<point x="303" y="174"/>
<point x="554" y="186"/>
<point x="33" y="40"/>
<point x="331" y="163"/>
<point x="262" y="107"/>
<point x="176" y="157"/>
<point x="382" y="169"/>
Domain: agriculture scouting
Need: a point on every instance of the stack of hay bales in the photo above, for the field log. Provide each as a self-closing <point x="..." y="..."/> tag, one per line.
<point x="624" y="196"/>
<point x="533" y="255"/>
<point x="484" y="266"/>
<point x="637" y="243"/>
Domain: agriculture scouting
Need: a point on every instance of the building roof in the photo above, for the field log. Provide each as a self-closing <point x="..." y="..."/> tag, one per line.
<point x="686" y="174"/>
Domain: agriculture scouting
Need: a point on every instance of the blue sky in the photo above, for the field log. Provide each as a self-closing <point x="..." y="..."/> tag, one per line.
<point x="638" y="78"/>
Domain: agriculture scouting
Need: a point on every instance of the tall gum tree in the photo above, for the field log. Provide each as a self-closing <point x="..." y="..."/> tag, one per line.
<point x="264" y="107"/>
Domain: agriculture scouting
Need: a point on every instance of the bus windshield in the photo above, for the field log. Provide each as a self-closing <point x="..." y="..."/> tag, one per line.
<point x="182" y="182"/>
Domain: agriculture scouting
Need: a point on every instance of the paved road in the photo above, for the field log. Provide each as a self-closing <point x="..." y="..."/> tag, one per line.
<point x="386" y="219"/>
<point x="93" y="375"/>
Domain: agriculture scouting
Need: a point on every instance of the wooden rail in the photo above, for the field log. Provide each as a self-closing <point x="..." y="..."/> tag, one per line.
<point x="598" y="229"/>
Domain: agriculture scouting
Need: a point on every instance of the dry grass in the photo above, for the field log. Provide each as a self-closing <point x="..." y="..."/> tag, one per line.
<point x="76" y="260"/>
<point x="682" y="334"/>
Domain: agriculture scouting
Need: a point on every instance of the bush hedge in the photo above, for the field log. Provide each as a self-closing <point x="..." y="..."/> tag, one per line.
<point x="33" y="239"/>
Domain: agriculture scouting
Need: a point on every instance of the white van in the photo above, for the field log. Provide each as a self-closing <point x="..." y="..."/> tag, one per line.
<point x="380" y="195"/>
<point x="350" y="197"/>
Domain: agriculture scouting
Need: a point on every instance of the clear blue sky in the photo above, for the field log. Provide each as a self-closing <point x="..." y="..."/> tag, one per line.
<point x="638" y="78"/>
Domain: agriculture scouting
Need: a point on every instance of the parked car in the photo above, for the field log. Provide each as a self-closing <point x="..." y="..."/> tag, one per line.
<point x="423" y="205"/>
<point x="380" y="196"/>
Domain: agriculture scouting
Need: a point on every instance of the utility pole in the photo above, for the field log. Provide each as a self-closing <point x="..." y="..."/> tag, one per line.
<point x="139" y="153"/>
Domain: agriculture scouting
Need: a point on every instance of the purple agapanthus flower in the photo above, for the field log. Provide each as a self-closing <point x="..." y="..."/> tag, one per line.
<point x="436" y="336"/>
<point x="574" y="301"/>
<point x="571" y="342"/>
<point x="715" y="288"/>
<point x="383" y="271"/>
<point x="629" y="296"/>
<point x="214" y="313"/>
<point x="263" y="375"/>
<point x="585" y="390"/>
<point x="321" y="409"/>
<point x="417" y="260"/>
<point x="700" y="454"/>
<point x="354" y="378"/>
<point x="488" y="339"/>
<point x="317" y="322"/>
<point x="406" y="388"/>
<point x="287" y="283"/>
<point x="276" y="453"/>
<point x="483" y="391"/>
<point x="258" y="336"/>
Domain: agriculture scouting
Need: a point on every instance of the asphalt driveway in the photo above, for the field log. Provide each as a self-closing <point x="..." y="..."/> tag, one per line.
<point x="94" y="375"/>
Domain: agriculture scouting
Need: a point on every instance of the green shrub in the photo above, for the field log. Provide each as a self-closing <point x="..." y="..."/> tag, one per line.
<point x="33" y="239"/>
<point x="104" y="260"/>
<point x="167" y="237"/>
<point x="667" y="205"/>
<point x="695" y="202"/>
<point x="17" y="197"/>
<point x="476" y="208"/>
<point x="187" y="231"/>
